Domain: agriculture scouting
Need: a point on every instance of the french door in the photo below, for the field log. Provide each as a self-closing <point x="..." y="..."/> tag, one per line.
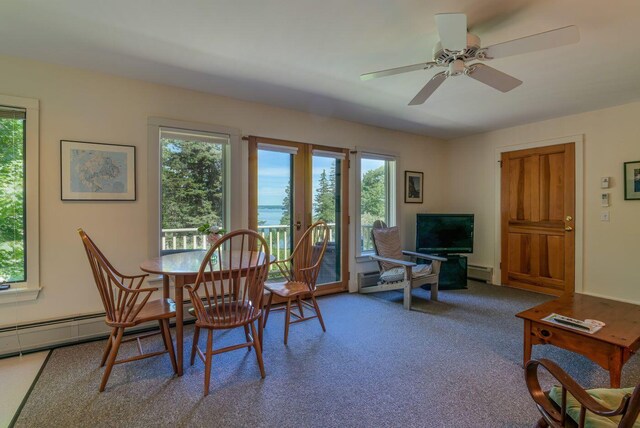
<point x="292" y="185"/>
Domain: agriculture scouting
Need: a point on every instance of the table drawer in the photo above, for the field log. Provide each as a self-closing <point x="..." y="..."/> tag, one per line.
<point x="573" y="341"/>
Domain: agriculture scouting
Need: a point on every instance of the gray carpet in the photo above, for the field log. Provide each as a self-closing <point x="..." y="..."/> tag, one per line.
<point x="457" y="365"/>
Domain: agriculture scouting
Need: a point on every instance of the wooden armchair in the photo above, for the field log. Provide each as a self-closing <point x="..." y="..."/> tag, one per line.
<point x="300" y="272"/>
<point x="569" y="405"/>
<point x="227" y="294"/>
<point x="397" y="273"/>
<point x="126" y="304"/>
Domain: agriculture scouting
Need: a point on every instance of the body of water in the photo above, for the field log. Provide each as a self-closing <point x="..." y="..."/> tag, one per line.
<point x="269" y="215"/>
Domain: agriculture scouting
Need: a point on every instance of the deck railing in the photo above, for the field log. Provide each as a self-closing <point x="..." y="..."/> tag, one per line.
<point x="277" y="237"/>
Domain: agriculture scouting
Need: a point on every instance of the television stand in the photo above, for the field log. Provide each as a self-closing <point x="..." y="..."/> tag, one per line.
<point x="453" y="272"/>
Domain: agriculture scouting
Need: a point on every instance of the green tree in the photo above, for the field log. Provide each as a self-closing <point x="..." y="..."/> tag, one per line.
<point x="286" y="206"/>
<point x="192" y="184"/>
<point x="12" y="199"/>
<point x="325" y="199"/>
<point x="373" y="200"/>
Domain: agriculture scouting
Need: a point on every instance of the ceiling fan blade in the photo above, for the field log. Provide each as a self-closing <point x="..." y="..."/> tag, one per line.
<point x="452" y="28"/>
<point x="494" y="78"/>
<point x="429" y="89"/>
<point x="398" y="70"/>
<point x="547" y="40"/>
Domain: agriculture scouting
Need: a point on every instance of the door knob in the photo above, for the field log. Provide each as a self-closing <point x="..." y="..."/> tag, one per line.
<point x="298" y="225"/>
<point x="568" y="228"/>
<point x="569" y="218"/>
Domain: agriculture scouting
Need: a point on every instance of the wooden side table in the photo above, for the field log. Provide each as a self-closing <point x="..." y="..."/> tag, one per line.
<point x="610" y="347"/>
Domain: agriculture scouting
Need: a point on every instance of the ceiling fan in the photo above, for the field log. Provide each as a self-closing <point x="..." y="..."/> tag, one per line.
<point x="456" y="48"/>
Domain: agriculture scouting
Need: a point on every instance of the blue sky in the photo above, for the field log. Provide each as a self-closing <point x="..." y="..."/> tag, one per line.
<point x="274" y="170"/>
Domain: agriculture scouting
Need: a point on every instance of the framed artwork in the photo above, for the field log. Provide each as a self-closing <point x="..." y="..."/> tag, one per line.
<point x="97" y="172"/>
<point x="632" y="180"/>
<point x="413" y="187"/>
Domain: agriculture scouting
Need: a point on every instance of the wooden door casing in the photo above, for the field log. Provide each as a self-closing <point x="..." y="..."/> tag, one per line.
<point x="537" y="219"/>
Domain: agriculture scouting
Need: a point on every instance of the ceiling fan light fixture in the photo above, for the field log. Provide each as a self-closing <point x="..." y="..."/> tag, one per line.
<point x="456" y="68"/>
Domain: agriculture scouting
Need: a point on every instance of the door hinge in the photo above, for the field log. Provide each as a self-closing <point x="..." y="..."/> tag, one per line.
<point x="348" y="163"/>
<point x="348" y="219"/>
<point x="500" y="162"/>
<point x="500" y="265"/>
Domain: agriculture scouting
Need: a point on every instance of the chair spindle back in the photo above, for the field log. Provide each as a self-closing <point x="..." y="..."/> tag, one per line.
<point x="308" y="253"/>
<point x="230" y="283"/>
<point x="121" y="295"/>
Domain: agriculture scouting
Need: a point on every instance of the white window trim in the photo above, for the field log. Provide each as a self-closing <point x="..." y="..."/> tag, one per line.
<point x="29" y="290"/>
<point x="363" y="257"/>
<point x="233" y="185"/>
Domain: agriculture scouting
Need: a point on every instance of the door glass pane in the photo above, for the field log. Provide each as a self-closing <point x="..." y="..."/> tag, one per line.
<point x="275" y="204"/>
<point x="327" y="206"/>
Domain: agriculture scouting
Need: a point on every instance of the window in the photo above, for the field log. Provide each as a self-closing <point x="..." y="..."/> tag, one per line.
<point x="13" y="238"/>
<point x="19" y="234"/>
<point x="193" y="168"/>
<point x="377" y="196"/>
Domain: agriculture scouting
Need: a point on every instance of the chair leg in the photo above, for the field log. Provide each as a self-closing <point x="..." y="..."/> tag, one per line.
<point x="300" y="307"/>
<point x="266" y="315"/>
<point x="194" y="345"/>
<point x="107" y="348"/>
<point x="258" y="348"/>
<point x="434" y="291"/>
<point x="406" y="301"/>
<point x="207" y="362"/>
<point x="287" y="320"/>
<point x="315" y="304"/>
<point x="112" y="358"/>
<point x="261" y="331"/>
<point x="247" y="336"/>
<point x="168" y="342"/>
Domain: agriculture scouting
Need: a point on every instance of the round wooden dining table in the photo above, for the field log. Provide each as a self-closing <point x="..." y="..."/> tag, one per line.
<point x="184" y="267"/>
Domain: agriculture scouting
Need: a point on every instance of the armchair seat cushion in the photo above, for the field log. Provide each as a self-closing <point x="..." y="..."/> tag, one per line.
<point x="609" y="398"/>
<point x="396" y="274"/>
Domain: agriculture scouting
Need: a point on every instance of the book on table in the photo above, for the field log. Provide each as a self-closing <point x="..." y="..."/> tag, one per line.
<point x="587" y="326"/>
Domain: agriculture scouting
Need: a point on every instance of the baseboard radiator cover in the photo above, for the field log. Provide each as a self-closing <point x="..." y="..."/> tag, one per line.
<point x="30" y="337"/>
<point x="368" y="279"/>
<point x="480" y="273"/>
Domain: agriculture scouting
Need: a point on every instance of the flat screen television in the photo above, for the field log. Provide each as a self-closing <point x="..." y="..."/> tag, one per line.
<point x="444" y="233"/>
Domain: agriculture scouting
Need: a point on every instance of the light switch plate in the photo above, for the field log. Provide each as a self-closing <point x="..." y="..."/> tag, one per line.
<point x="604" y="216"/>
<point x="604" y="200"/>
<point x="604" y="183"/>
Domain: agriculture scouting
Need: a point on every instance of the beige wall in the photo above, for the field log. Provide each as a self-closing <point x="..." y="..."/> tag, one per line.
<point x="88" y="106"/>
<point x="611" y="250"/>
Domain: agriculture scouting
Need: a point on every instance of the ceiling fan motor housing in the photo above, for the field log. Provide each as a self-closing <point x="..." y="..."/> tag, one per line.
<point x="444" y="57"/>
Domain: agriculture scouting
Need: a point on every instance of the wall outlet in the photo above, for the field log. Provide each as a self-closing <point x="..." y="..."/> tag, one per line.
<point x="604" y="215"/>
<point x="604" y="200"/>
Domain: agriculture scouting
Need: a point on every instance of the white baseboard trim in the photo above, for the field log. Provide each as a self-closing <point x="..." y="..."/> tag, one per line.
<point x="55" y="333"/>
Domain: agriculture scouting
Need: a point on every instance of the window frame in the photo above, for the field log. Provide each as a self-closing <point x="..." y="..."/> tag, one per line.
<point x="392" y="185"/>
<point x="231" y="186"/>
<point x="29" y="289"/>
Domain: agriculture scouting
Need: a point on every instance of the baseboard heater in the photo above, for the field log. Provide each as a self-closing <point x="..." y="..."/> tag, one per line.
<point x="368" y="279"/>
<point x="36" y="336"/>
<point x="480" y="273"/>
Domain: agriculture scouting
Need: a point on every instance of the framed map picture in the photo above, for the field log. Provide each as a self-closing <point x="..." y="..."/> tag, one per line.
<point x="632" y="180"/>
<point x="97" y="172"/>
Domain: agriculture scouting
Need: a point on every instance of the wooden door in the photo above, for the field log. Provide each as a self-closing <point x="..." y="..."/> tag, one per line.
<point x="537" y="219"/>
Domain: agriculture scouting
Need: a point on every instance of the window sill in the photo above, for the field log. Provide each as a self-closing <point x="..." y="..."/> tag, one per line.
<point x="19" y="294"/>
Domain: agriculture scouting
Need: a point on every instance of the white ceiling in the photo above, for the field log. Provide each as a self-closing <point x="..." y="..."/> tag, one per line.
<point x="308" y="54"/>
